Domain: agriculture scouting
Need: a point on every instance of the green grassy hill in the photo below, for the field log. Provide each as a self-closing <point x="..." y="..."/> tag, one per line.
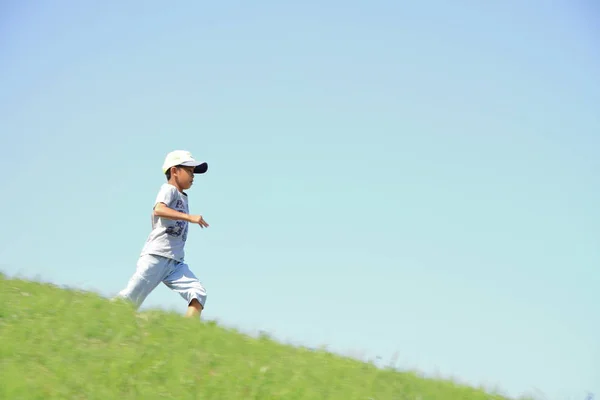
<point x="66" y="344"/>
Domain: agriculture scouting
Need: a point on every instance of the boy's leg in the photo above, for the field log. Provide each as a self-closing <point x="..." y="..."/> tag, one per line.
<point x="194" y="309"/>
<point x="150" y="271"/>
<point x="184" y="282"/>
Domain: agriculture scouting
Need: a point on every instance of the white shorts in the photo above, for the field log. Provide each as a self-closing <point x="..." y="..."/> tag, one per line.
<point x="152" y="270"/>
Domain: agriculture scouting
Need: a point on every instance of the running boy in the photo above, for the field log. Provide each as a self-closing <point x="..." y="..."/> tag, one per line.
<point x="162" y="257"/>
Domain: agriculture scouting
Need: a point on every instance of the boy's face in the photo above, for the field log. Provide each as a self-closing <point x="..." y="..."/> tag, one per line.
<point x="183" y="176"/>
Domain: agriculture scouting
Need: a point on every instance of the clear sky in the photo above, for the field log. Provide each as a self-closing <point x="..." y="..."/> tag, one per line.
<point x="384" y="177"/>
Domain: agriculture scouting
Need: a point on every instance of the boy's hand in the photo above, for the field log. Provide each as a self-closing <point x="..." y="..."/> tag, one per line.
<point x="197" y="219"/>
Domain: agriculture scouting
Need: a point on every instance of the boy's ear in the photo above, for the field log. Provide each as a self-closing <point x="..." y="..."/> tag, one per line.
<point x="169" y="172"/>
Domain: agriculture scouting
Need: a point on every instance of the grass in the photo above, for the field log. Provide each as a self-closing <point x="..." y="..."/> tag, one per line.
<point x="69" y="344"/>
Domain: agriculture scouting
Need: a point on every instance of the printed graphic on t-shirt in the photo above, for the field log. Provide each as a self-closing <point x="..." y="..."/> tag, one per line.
<point x="177" y="229"/>
<point x="180" y="228"/>
<point x="179" y="205"/>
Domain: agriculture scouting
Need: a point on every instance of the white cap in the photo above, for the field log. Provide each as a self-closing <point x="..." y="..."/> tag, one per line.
<point x="183" y="157"/>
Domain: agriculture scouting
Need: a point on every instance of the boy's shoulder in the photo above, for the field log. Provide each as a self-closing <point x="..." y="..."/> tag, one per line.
<point x="167" y="187"/>
<point x="166" y="193"/>
<point x="170" y="191"/>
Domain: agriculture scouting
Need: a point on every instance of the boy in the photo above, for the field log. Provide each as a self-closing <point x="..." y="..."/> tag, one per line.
<point x="162" y="257"/>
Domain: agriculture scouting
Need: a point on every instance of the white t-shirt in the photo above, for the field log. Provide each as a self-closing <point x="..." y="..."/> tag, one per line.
<point x="168" y="237"/>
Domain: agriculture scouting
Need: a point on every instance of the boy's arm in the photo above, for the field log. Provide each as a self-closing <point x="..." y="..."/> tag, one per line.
<point x="164" y="211"/>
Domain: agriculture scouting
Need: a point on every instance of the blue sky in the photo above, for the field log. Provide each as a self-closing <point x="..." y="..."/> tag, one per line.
<point x="384" y="178"/>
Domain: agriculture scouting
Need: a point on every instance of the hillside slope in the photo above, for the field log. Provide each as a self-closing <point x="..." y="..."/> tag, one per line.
<point x="65" y="344"/>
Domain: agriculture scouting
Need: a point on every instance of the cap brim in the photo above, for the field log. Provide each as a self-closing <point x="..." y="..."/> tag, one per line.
<point x="201" y="168"/>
